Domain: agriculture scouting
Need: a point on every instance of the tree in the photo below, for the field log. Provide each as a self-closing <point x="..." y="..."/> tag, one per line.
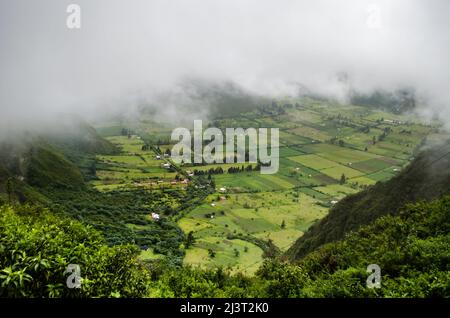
<point x="93" y="169"/>
<point x="283" y="224"/>
<point x="211" y="253"/>
<point x="190" y="239"/>
<point x="236" y="252"/>
<point x="10" y="189"/>
<point x="343" y="179"/>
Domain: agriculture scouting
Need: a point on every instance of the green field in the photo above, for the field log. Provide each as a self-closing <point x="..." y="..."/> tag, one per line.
<point x="257" y="214"/>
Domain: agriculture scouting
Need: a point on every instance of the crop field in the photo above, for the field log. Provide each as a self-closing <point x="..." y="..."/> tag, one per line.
<point x="132" y="167"/>
<point x="327" y="152"/>
<point x="279" y="216"/>
<point x="236" y="254"/>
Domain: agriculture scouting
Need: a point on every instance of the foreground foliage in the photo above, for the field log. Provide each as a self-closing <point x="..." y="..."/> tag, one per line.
<point x="36" y="248"/>
<point x="412" y="249"/>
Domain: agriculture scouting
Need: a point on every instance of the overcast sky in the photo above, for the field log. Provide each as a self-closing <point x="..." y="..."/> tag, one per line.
<point x="129" y="49"/>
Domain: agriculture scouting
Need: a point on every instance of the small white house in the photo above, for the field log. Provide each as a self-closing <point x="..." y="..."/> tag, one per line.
<point x="334" y="202"/>
<point x="158" y="157"/>
<point x="155" y="216"/>
<point x="223" y="190"/>
<point x="213" y="204"/>
<point x="166" y="165"/>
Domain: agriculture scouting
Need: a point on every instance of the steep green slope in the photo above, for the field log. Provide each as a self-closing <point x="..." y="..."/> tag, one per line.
<point x="47" y="167"/>
<point x="34" y="162"/>
<point x="61" y="156"/>
<point x="427" y="177"/>
<point x="79" y="142"/>
<point x="16" y="159"/>
<point x="73" y="136"/>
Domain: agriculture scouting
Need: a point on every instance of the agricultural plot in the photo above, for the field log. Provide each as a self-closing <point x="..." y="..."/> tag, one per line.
<point x="289" y="152"/>
<point x="377" y="164"/>
<point x="338" y="171"/>
<point x="301" y="116"/>
<point x="336" y="191"/>
<point x="314" y="161"/>
<point x="289" y="139"/>
<point x="237" y="255"/>
<point x="132" y="167"/>
<point x="277" y="216"/>
<point x="309" y="132"/>
<point x="109" y="129"/>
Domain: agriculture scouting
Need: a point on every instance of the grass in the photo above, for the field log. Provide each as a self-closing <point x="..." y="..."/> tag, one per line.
<point x="257" y="214"/>
<point x="336" y="191"/>
<point x="314" y="161"/>
<point x="247" y="259"/>
<point x="337" y="171"/>
<point x="148" y="254"/>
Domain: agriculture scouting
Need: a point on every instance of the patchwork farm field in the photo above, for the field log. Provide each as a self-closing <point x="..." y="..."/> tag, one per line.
<point x="327" y="152"/>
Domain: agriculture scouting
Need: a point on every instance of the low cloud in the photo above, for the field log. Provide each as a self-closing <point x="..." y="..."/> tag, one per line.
<point x="131" y="53"/>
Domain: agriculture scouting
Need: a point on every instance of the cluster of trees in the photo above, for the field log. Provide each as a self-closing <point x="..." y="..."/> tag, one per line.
<point x="211" y="171"/>
<point x="342" y="120"/>
<point x="274" y="109"/>
<point x="384" y="134"/>
<point x="127" y="132"/>
<point x="146" y="147"/>
<point x="337" y="141"/>
<point x="113" y="212"/>
<point x="365" y="129"/>
<point x="249" y="168"/>
<point x="219" y="170"/>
